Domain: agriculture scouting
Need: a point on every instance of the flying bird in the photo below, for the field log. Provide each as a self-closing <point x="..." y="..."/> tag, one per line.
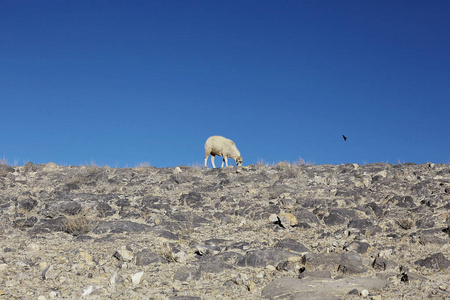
<point x="345" y="138"/>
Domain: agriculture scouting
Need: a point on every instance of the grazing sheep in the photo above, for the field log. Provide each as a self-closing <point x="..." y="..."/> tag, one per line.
<point x="218" y="145"/>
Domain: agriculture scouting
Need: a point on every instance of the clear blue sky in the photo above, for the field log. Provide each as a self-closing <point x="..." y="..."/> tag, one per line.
<point x="125" y="82"/>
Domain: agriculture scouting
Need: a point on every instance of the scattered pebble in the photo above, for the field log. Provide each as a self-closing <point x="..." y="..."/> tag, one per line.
<point x="136" y="278"/>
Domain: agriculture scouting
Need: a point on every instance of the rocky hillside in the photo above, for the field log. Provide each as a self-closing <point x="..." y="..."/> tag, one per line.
<point x="376" y="231"/>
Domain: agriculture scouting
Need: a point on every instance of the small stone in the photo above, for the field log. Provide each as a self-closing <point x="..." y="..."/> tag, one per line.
<point x="353" y="292"/>
<point x="147" y="256"/>
<point x="113" y="280"/>
<point x="180" y="257"/>
<point x="271" y="268"/>
<point x="273" y="218"/>
<point x="49" y="273"/>
<point x="33" y="247"/>
<point x="87" y="258"/>
<point x="177" y="170"/>
<point x="351" y="263"/>
<point x="287" y="220"/>
<point x="241" y="279"/>
<point x="381" y="173"/>
<point x="208" y="250"/>
<point x="40" y="298"/>
<point x="291" y="245"/>
<point x="187" y="274"/>
<point x="136" y="278"/>
<point x="50" y="166"/>
<point x="54" y="294"/>
<point x="364" y="293"/>
<point x="287" y="203"/>
<point x="43" y="265"/>
<point x="435" y="261"/>
<point x="123" y="254"/>
<point x="88" y="291"/>
<point x="385" y="253"/>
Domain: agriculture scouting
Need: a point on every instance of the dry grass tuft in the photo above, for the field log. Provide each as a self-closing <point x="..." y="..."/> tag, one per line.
<point x="78" y="225"/>
<point x="197" y="165"/>
<point x="167" y="253"/>
<point x="144" y="164"/>
<point x="5" y="162"/>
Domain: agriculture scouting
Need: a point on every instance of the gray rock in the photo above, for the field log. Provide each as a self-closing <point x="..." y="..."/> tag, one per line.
<point x="71" y="208"/>
<point x="357" y="246"/>
<point x="187" y="274"/>
<point x="105" y="210"/>
<point x="319" y="288"/>
<point x="185" y="298"/>
<point x="191" y="199"/>
<point x="264" y="257"/>
<point x="315" y="274"/>
<point x="305" y="216"/>
<point x="167" y="235"/>
<point x="339" y="216"/>
<point x="320" y="261"/>
<point x="120" y="226"/>
<point x="291" y="245"/>
<point x="27" y="204"/>
<point x="351" y="263"/>
<point x="405" y="201"/>
<point x="425" y="222"/>
<point x="147" y="256"/>
<point x="5" y="169"/>
<point x="49" y="273"/>
<point x="334" y="218"/>
<point x="49" y="225"/>
<point x="426" y="238"/>
<point x="208" y="250"/>
<point x="25" y="223"/>
<point x="435" y="261"/>
<point x="212" y="265"/>
<point x="383" y="264"/>
<point x="361" y="224"/>
<point x="189" y="217"/>
<point x="377" y="210"/>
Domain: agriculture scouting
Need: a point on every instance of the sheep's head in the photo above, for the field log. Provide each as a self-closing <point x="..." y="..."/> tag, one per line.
<point x="238" y="161"/>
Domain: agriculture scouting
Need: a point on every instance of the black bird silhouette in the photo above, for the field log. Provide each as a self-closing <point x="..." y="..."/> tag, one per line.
<point x="345" y="138"/>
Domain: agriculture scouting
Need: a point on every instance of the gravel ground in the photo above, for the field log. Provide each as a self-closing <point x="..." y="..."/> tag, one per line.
<point x="376" y="231"/>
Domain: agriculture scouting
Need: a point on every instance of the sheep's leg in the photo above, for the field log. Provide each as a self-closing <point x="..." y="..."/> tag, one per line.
<point x="225" y="160"/>
<point x="212" y="160"/>
<point x="206" y="161"/>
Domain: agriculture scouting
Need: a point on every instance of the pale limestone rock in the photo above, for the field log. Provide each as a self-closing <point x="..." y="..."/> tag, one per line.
<point x="137" y="277"/>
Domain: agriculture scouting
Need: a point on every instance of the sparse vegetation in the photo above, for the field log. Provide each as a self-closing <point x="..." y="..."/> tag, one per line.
<point x="144" y="164"/>
<point x="77" y="225"/>
<point x="5" y="162"/>
<point x="197" y="165"/>
<point x="167" y="253"/>
<point x="299" y="162"/>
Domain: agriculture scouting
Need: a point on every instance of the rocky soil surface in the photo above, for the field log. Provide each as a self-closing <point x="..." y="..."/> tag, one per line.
<point x="376" y="231"/>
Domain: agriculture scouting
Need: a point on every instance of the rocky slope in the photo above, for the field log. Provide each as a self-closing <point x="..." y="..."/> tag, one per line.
<point x="374" y="231"/>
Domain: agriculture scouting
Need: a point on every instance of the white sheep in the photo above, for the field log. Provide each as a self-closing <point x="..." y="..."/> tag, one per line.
<point x="218" y="145"/>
